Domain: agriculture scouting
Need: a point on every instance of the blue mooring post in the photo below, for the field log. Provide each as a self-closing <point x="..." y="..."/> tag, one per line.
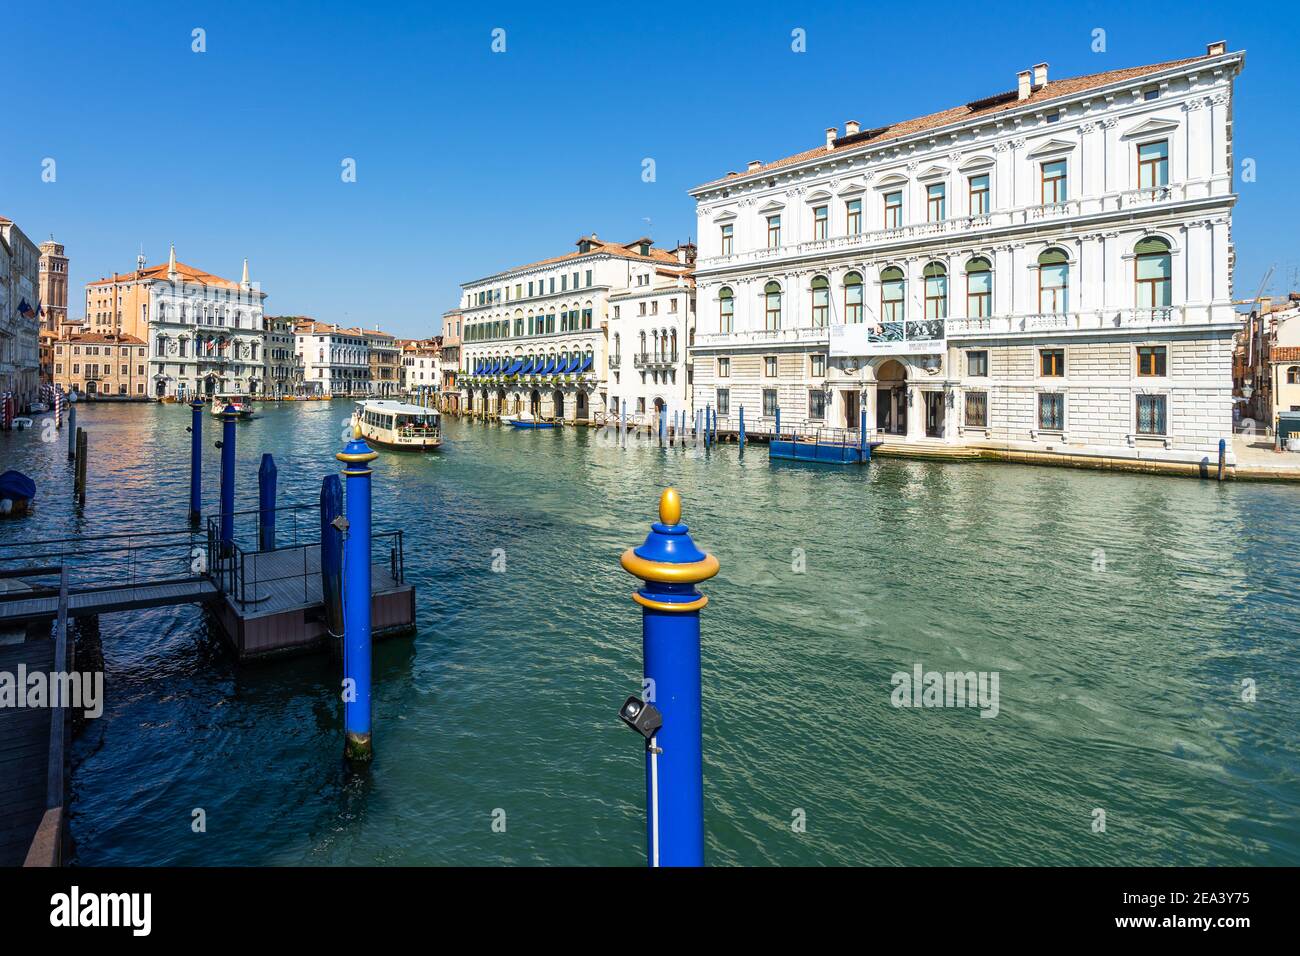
<point x="331" y="553"/>
<point x="622" y="420"/>
<point x="663" y="424"/>
<point x="742" y="430"/>
<point x="266" y="475"/>
<point x="708" y="411"/>
<point x="671" y="565"/>
<point x="356" y="458"/>
<point x="778" y="423"/>
<point x="72" y="432"/>
<point x="862" y="435"/>
<point x="1223" y="456"/>
<point x="227" y="480"/>
<point x="196" y="463"/>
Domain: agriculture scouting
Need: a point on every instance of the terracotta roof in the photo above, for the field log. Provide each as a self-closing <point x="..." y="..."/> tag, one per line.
<point x="1285" y="353"/>
<point x="187" y="274"/>
<point x="109" y="338"/>
<point x="986" y="107"/>
<point x="598" y="247"/>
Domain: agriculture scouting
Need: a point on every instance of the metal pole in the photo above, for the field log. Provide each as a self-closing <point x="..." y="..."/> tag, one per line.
<point x="331" y="553"/>
<point x="72" y="432"/>
<point x="671" y="565"/>
<point x="227" y="481"/>
<point x="266" y="480"/>
<point x="742" y="430"/>
<point x="196" y="462"/>
<point x="356" y="458"/>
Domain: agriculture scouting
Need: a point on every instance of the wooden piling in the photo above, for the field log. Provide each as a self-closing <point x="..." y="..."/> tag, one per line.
<point x="82" y="451"/>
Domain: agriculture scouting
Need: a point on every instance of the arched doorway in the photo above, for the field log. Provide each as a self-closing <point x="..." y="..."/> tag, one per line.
<point x="891" y="398"/>
<point x="160" y="388"/>
<point x="581" y="404"/>
<point x="559" y="405"/>
<point x="535" y="403"/>
<point x="501" y="401"/>
<point x="210" y="385"/>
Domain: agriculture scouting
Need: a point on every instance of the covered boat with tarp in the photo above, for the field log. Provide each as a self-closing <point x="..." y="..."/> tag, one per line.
<point x="17" y="492"/>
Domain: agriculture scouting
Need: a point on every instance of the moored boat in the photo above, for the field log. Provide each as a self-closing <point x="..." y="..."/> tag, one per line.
<point x="398" y="425"/>
<point x="242" y="405"/>
<point x="525" y="420"/>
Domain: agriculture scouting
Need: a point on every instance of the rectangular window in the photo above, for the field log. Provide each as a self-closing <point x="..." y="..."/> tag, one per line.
<point x="1151" y="415"/>
<point x="773" y="231"/>
<point x="589" y="278"/>
<point x="821" y="222"/>
<point x="893" y="210"/>
<point x="564" y="283"/>
<point x="977" y="409"/>
<point x="934" y="203"/>
<point x="979" y="195"/>
<point x="1051" y="362"/>
<point x="977" y="363"/>
<point x="723" y="401"/>
<point x="816" y="404"/>
<point x="769" y="403"/>
<point x="724" y="367"/>
<point x="769" y="366"/>
<point x="1053" y="182"/>
<point x="854" y="210"/>
<point x="1153" y="165"/>
<point x="1151" y="360"/>
<point x="530" y="290"/>
<point x="728" y="232"/>
<point x="817" y="364"/>
<point x="1051" y="411"/>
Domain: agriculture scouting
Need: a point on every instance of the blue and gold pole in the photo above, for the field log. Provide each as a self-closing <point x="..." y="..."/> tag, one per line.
<point x="228" y="419"/>
<point x="196" y="463"/>
<point x="356" y="458"/>
<point x="671" y="565"/>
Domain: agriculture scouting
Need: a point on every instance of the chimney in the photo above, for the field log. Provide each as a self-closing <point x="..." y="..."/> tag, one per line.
<point x="1217" y="48"/>
<point x="1022" y="88"/>
<point x="1040" y="75"/>
<point x="851" y="127"/>
<point x="831" y="133"/>
<point x="753" y="164"/>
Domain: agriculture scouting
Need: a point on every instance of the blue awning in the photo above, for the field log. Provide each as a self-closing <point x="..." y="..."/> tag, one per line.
<point x="568" y="364"/>
<point x="586" y="364"/>
<point x="550" y="367"/>
<point x="514" y="369"/>
<point x="528" y="367"/>
<point x="496" y="366"/>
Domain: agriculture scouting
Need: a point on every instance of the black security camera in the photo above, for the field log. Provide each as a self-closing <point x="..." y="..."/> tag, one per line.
<point x="644" y="718"/>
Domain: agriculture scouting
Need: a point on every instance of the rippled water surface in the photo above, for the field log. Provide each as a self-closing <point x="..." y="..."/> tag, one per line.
<point x="1120" y="612"/>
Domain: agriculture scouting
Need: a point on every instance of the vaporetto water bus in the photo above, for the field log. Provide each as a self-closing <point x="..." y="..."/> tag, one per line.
<point x="399" y="424"/>
<point x="242" y="405"/>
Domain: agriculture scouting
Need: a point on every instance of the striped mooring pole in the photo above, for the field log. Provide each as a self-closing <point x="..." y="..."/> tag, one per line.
<point x="356" y="458"/>
<point x="669" y="718"/>
<point x="196" y="462"/>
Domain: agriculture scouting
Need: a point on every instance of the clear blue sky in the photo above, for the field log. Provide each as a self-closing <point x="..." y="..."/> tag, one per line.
<point x="470" y="161"/>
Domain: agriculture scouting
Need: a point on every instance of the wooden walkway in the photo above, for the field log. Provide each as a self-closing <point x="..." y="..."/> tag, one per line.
<point x="15" y="612"/>
<point x="24" y="755"/>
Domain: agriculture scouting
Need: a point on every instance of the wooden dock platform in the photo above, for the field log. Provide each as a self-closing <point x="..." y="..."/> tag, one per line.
<point x="24" y="755"/>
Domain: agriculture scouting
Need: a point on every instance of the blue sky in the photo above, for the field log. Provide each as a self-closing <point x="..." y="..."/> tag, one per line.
<point x="470" y="161"/>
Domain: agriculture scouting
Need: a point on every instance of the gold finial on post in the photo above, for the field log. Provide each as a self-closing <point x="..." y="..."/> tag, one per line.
<point x="670" y="507"/>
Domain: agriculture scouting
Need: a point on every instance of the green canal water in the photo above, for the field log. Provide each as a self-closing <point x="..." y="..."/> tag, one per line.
<point x="1120" y="613"/>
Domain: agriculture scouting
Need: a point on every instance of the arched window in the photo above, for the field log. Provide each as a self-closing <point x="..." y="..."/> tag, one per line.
<point x="979" y="289"/>
<point x="1154" y="274"/>
<point x="893" y="287"/>
<point x="772" y="304"/>
<point x="821" y="301"/>
<point x="853" y="297"/>
<point x="726" y="309"/>
<point x="1293" y="375"/>
<point x="936" y="291"/>
<point x="1053" y="281"/>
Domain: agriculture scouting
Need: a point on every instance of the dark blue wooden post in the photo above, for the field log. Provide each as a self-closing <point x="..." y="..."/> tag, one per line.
<point x="72" y="431"/>
<point x="228" y="419"/>
<point x="331" y="553"/>
<point x="266" y="477"/>
<point x="862" y="436"/>
<point x="778" y="422"/>
<point x="196" y="463"/>
<point x="742" y="430"/>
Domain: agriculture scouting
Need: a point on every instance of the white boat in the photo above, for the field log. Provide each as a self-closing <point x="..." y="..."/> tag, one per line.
<point x="398" y="425"/>
<point x="38" y="407"/>
<point x="240" y="404"/>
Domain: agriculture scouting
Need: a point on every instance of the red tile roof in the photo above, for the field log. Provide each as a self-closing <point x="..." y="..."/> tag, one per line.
<point x="187" y="274"/>
<point x="988" y="106"/>
<point x="1285" y="353"/>
<point x="600" y="247"/>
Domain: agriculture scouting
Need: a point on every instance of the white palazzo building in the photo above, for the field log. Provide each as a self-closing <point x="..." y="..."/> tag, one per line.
<point x="538" y="337"/>
<point x="1043" y="270"/>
